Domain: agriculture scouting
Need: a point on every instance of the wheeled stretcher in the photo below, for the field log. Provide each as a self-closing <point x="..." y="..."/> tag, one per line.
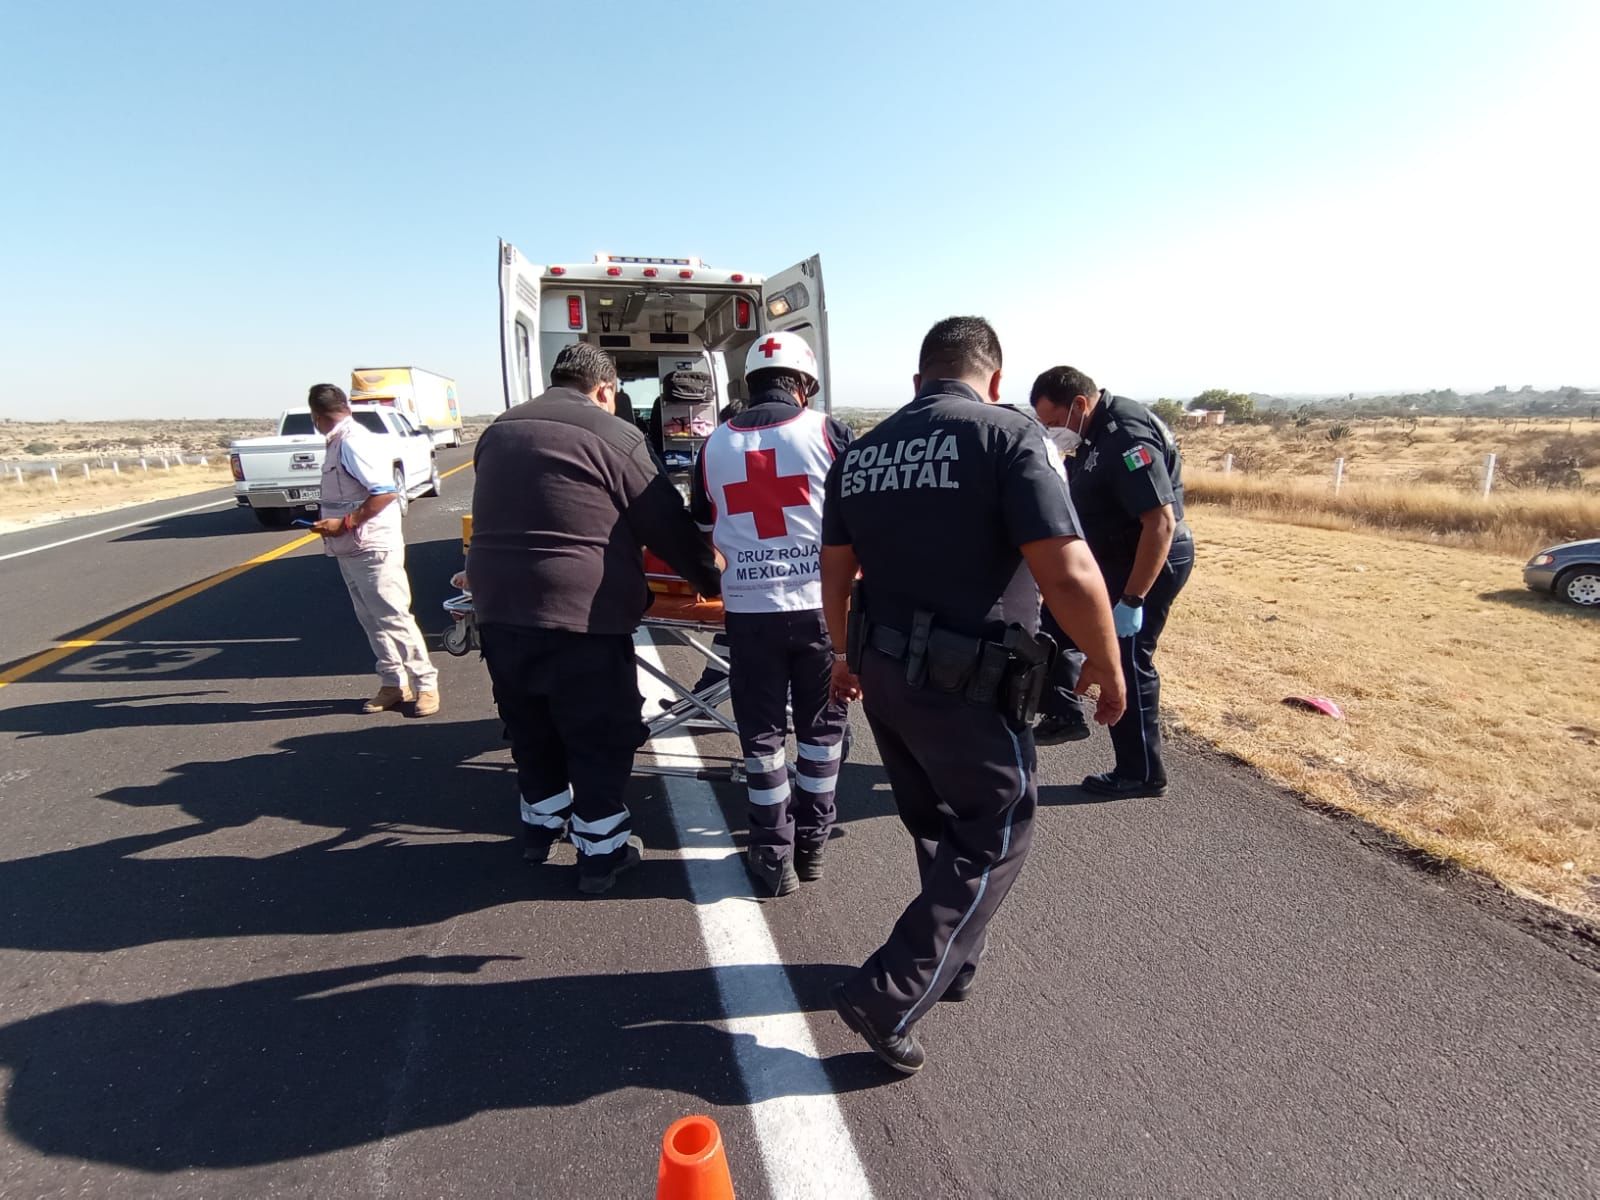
<point x="678" y="616"/>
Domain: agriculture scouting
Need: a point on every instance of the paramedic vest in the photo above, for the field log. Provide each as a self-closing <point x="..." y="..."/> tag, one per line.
<point x="765" y="487"/>
<point x="343" y="493"/>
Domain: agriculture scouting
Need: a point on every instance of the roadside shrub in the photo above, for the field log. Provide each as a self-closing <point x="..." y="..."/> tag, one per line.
<point x="39" y="448"/>
<point x="1339" y="432"/>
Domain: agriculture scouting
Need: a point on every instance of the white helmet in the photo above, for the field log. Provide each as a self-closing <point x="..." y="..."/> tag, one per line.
<point x="788" y="351"/>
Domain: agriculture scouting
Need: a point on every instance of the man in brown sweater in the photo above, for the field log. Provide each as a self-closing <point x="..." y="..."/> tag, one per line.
<point x="566" y="496"/>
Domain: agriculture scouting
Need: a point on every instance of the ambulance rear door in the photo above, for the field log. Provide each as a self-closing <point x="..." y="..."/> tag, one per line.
<point x="520" y="371"/>
<point x="791" y="301"/>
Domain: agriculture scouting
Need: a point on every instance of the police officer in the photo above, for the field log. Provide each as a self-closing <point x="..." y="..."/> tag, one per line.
<point x="1127" y="486"/>
<point x="758" y="492"/>
<point x="940" y="507"/>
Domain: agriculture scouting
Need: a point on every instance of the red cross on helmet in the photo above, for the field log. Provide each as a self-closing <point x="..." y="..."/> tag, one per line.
<point x="789" y="351"/>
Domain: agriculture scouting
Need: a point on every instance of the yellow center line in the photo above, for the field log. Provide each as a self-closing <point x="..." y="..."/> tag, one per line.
<point x="111" y="628"/>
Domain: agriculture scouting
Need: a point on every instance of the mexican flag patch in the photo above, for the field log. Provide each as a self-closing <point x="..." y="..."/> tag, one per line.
<point x="1137" y="459"/>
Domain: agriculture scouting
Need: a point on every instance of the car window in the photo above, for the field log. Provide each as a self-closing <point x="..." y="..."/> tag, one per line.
<point x="297" y="425"/>
<point x="370" y="420"/>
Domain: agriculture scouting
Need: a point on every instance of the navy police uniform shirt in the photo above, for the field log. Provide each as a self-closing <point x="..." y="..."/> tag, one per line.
<point x="936" y="502"/>
<point x="1127" y="465"/>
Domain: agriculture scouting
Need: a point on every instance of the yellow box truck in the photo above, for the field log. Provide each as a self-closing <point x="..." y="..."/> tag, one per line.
<point x="426" y="397"/>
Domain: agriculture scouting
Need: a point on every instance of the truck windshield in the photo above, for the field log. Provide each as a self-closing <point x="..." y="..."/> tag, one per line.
<point x="299" y="424"/>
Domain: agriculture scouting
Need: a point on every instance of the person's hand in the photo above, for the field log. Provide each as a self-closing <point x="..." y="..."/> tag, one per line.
<point x="1112" y="701"/>
<point x="843" y="686"/>
<point x="331" y="527"/>
<point x="1127" y="619"/>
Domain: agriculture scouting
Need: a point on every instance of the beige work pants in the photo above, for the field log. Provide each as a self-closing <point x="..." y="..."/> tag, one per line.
<point x="381" y="593"/>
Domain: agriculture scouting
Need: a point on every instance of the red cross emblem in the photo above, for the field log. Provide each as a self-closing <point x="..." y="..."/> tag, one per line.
<point x="770" y="347"/>
<point x="765" y="494"/>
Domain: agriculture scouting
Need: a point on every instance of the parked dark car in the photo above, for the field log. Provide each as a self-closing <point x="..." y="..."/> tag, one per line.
<point x="1571" y="571"/>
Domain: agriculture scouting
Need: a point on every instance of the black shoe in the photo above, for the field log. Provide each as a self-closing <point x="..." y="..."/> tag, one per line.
<point x="536" y="851"/>
<point x="1053" y="731"/>
<point x="778" y="879"/>
<point x="901" y="1051"/>
<point x="961" y="986"/>
<point x="597" y="880"/>
<point x="808" y="862"/>
<point x="1109" y="783"/>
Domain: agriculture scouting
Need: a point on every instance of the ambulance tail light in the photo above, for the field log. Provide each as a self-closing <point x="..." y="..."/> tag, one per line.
<point x="236" y="467"/>
<point x="558" y="270"/>
<point x="651" y="272"/>
<point x="613" y="271"/>
<point x="574" y="312"/>
<point x="741" y="313"/>
<point x="736" y="277"/>
<point x="685" y="274"/>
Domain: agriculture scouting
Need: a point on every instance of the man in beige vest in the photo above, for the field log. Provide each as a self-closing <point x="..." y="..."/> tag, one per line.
<point x="360" y="526"/>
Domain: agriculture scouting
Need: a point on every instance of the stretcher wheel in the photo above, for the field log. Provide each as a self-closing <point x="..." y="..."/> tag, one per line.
<point x="459" y="638"/>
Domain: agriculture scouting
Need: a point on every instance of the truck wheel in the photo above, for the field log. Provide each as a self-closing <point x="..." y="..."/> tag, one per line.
<point x="434" y="482"/>
<point x="400" y="486"/>
<point x="272" y="518"/>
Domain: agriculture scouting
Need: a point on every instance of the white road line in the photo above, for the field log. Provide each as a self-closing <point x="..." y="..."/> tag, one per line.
<point x="114" y="529"/>
<point x="806" y="1146"/>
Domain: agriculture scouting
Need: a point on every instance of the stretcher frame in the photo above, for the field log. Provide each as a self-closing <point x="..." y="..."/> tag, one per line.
<point x="695" y="711"/>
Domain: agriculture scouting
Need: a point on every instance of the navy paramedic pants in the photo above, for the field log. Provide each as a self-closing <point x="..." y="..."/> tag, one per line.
<point x="779" y="659"/>
<point x="570" y="703"/>
<point x="964" y="785"/>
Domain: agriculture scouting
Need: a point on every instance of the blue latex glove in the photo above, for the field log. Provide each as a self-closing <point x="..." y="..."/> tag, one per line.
<point x="1127" y="620"/>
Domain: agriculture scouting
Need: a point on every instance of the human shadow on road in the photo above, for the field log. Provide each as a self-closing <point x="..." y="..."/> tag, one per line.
<point x="146" y="710"/>
<point x="305" y="1064"/>
<point x="404" y="824"/>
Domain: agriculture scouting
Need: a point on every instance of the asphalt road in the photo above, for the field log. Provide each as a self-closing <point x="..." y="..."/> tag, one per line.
<point x="253" y="943"/>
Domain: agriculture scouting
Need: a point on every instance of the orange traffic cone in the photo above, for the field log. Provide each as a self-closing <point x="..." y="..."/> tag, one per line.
<point x="693" y="1166"/>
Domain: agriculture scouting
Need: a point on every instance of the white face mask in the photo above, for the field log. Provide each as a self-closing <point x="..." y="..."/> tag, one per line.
<point x="1066" y="440"/>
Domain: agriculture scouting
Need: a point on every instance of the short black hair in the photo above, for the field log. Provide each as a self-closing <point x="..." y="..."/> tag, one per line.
<point x="1060" y="384"/>
<point x="325" y="399"/>
<point x="782" y="377"/>
<point x="958" y="347"/>
<point x="583" y="367"/>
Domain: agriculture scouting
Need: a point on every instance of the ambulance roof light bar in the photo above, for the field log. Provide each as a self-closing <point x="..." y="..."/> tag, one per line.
<point x="649" y="262"/>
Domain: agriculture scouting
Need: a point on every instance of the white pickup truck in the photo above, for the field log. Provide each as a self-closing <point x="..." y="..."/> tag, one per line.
<point x="280" y="478"/>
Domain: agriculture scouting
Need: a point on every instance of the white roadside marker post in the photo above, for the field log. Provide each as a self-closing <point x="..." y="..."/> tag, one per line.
<point x="55" y="477"/>
<point x="1227" y="464"/>
<point x="1338" y="475"/>
<point x="1488" y="474"/>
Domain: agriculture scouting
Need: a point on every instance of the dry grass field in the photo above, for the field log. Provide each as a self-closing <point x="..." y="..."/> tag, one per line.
<point x="1531" y="452"/>
<point x="74" y="441"/>
<point x="1516" y="522"/>
<point x="1414" y="479"/>
<point x="1473" y="719"/>
<point x="38" y="500"/>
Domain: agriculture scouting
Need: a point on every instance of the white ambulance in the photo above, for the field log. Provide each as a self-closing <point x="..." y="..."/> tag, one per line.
<point x="654" y="316"/>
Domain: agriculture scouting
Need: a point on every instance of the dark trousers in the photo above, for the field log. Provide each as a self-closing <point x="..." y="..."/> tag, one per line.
<point x="1136" y="738"/>
<point x="963" y="782"/>
<point x="778" y="660"/>
<point x="570" y="703"/>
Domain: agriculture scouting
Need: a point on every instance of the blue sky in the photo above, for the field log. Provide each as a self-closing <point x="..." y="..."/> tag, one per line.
<point x="205" y="207"/>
